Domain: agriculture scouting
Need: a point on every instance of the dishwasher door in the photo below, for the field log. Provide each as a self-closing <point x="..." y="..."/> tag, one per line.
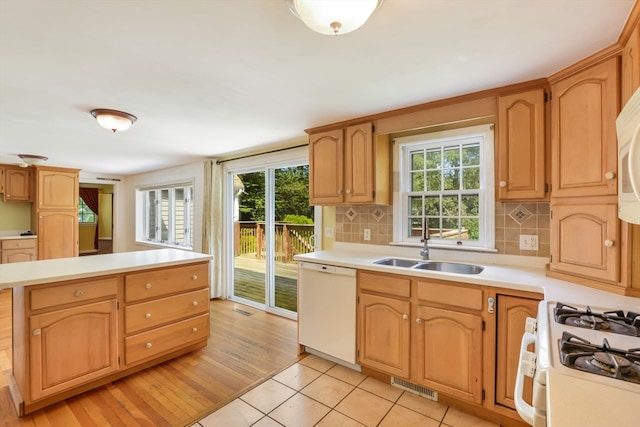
<point x="327" y="310"/>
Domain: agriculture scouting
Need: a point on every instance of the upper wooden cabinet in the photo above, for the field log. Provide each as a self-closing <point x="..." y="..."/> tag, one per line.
<point x="17" y="184"/>
<point x="584" y="144"/>
<point x="630" y="65"/>
<point x="521" y="146"/>
<point x="349" y="166"/>
<point x="57" y="188"/>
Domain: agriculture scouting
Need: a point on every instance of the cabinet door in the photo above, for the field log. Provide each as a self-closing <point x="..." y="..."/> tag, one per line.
<point x="57" y="189"/>
<point x="71" y="347"/>
<point x="57" y="234"/>
<point x="521" y="146"/>
<point x="326" y="167"/>
<point x="511" y="315"/>
<point x="584" y="144"/>
<point x="17" y="185"/>
<point x="448" y="353"/>
<point x="586" y="240"/>
<point x="631" y="65"/>
<point x="18" y="255"/>
<point x="383" y="334"/>
<point x="359" y="164"/>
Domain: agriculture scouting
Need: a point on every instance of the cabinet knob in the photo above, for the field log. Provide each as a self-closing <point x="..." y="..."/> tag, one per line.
<point x="503" y="184"/>
<point x="419" y="321"/>
<point x="148" y="345"/>
<point x="340" y="191"/>
<point x="405" y="317"/>
<point x="194" y="330"/>
<point x="19" y="244"/>
<point x="148" y="315"/>
<point x="348" y="191"/>
<point x="79" y="293"/>
<point x="37" y="331"/>
<point x="147" y="286"/>
<point x="608" y="243"/>
<point x="609" y="175"/>
<point x="194" y="303"/>
<point x="194" y="277"/>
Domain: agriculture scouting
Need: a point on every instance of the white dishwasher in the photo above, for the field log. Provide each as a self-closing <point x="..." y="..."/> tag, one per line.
<point x="327" y="310"/>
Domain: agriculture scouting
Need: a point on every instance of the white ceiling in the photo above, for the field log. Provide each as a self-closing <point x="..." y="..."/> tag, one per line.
<point x="209" y="78"/>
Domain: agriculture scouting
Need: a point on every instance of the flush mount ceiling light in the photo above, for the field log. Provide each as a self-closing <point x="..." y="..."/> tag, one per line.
<point x="32" y="159"/>
<point x="113" y="119"/>
<point x="333" y="17"/>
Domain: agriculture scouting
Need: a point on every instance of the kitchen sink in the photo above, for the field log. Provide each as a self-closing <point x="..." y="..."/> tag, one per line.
<point x="447" y="267"/>
<point x="450" y="267"/>
<point x="397" y="262"/>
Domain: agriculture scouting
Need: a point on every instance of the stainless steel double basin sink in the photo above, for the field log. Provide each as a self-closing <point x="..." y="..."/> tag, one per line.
<point x="443" y="266"/>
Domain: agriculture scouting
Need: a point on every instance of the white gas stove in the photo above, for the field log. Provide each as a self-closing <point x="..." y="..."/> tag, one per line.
<point x="586" y="366"/>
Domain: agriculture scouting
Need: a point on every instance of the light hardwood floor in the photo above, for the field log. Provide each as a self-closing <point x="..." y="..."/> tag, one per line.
<point x="242" y="351"/>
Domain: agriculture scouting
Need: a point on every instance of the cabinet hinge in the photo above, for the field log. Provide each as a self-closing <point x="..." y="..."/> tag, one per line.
<point x="358" y="300"/>
<point x="484" y="326"/>
<point x="483" y="394"/>
<point x="117" y="305"/>
<point x="492" y="127"/>
<point x="547" y="187"/>
<point x="118" y="360"/>
<point x="373" y="128"/>
<point x="547" y="96"/>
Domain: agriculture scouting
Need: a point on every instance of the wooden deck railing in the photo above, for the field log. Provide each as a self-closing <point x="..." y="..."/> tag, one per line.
<point x="290" y="240"/>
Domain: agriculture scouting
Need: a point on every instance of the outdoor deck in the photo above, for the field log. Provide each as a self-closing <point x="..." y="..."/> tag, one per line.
<point x="249" y="281"/>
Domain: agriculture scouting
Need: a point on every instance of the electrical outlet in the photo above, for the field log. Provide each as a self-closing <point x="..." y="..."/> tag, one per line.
<point x="367" y="234"/>
<point x="528" y="242"/>
<point x="328" y="232"/>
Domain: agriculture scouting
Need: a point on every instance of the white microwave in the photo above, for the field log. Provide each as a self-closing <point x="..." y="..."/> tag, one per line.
<point x="628" y="129"/>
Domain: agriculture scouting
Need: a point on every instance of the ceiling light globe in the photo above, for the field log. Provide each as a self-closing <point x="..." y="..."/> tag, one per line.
<point x="333" y="17"/>
<point x="113" y="119"/>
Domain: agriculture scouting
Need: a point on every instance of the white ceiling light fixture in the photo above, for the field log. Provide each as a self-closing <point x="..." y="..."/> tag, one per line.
<point x="31" y="159"/>
<point x="333" y="17"/>
<point x="113" y="119"/>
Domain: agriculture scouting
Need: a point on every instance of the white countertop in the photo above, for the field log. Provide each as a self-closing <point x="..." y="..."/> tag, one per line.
<point x="502" y="271"/>
<point x="55" y="270"/>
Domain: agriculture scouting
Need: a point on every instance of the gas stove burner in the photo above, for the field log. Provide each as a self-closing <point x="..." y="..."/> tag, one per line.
<point x="578" y="353"/>
<point x="615" y="321"/>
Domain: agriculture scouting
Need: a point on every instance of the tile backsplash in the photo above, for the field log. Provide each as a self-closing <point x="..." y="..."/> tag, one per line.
<point x="512" y="220"/>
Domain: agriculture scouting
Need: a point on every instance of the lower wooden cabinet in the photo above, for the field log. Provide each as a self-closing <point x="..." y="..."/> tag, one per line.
<point x="18" y="250"/>
<point x="71" y="347"/>
<point x="448" y="352"/>
<point x="511" y="313"/>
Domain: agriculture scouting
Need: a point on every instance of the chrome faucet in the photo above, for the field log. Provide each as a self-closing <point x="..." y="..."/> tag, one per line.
<point x="424" y="253"/>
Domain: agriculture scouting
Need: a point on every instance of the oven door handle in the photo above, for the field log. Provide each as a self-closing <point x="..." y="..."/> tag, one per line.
<point x="525" y="410"/>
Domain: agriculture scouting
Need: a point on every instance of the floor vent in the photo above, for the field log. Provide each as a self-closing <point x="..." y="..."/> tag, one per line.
<point x="419" y="390"/>
<point x="245" y="313"/>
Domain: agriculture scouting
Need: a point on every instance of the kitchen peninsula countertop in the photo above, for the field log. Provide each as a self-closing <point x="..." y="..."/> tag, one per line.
<point x="56" y="270"/>
<point x="501" y="271"/>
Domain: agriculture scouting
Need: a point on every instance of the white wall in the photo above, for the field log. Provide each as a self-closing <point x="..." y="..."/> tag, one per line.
<point x="125" y="203"/>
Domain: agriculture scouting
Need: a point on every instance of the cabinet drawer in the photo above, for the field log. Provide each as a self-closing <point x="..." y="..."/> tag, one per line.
<point x="73" y="292"/>
<point x="18" y="244"/>
<point x="396" y="286"/>
<point x="165" y="339"/>
<point x="451" y="295"/>
<point x="156" y="283"/>
<point x="153" y="313"/>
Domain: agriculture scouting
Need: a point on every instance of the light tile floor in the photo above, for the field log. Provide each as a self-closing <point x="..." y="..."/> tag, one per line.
<point x="317" y="392"/>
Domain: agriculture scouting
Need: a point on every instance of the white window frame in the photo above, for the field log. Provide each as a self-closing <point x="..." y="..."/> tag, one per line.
<point x="401" y="147"/>
<point x="142" y="234"/>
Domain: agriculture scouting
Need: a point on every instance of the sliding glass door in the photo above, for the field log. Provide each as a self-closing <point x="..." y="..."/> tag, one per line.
<point x="272" y="221"/>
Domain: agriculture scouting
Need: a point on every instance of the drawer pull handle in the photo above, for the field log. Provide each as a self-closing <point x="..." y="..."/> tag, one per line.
<point x="147" y="286"/>
<point x="608" y="243"/>
<point x="405" y="316"/>
<point x="148" y="345"/>
<point x="194" y="330"/>
<point x="609" y="176"/>
<point x="195" y="303"/>
<point x="148" y="315"/>
<point x="194" y="277"/>
<point x="79" y="293"/>
<point x="37" y="331"/>
<point x="419" y="321"/>
<point x="503" y="184"/>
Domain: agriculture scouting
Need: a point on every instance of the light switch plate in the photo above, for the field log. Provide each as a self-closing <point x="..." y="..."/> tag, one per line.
<point x="367" y="234"/>
<point x="528" y="242"/>
<point x="328" y="232"/>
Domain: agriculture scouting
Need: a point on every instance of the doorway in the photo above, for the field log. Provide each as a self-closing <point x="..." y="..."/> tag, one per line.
<point x="272" y="222"/>
<point x="95" y="219"/>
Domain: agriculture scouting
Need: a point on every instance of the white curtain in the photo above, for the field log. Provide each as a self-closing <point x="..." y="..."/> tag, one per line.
<point x="212" y="225"/>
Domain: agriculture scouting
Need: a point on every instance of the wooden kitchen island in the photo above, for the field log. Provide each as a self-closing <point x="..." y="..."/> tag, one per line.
<point x="79" y="323"/>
